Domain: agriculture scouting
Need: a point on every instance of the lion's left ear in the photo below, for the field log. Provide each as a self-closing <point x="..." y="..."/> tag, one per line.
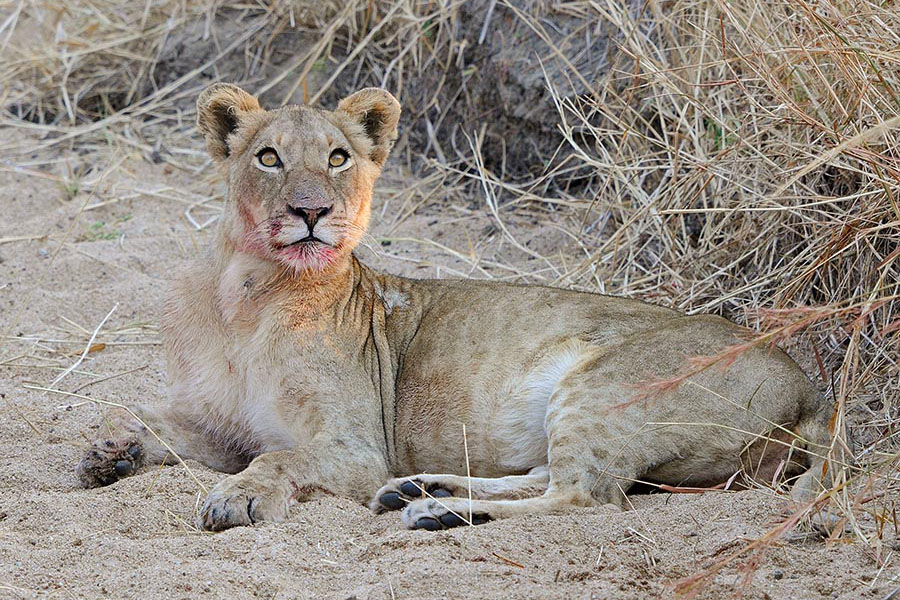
<point x="378" y="112"/>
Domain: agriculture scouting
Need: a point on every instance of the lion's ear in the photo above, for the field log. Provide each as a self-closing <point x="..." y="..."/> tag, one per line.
<point x="219" y="110"/>
<point x="378" y="112"/>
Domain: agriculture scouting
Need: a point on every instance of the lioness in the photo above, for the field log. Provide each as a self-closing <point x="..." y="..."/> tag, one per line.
<point x="304" y="373"/>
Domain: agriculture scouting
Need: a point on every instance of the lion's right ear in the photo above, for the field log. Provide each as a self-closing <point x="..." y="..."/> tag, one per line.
<point x="219" y="110"/>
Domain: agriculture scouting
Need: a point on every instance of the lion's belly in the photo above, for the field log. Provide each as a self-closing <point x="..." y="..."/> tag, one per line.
<point x="446" y="451"/>
<point x="458" y="444"/>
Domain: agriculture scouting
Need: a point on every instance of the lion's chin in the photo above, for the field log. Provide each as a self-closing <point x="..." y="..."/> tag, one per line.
<point x="307" y="256"/>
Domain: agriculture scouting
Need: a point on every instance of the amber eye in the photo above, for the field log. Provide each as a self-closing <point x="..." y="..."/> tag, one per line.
<point x="338" y="158"/>
<point x="268" y="158"/>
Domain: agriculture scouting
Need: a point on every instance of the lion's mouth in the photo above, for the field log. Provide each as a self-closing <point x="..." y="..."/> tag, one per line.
<point x="307" y="241"/>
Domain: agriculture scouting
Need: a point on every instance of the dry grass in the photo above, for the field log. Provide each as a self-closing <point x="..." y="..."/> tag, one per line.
<point x="735" y="157"/>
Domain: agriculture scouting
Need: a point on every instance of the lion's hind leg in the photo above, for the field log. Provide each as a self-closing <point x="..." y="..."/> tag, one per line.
<point x="827" y="460"/>
<point x="592" y="459"/>
<point x="399" y="492"/>
<point x="443" y="513"/>
<point x="586" y="467"/>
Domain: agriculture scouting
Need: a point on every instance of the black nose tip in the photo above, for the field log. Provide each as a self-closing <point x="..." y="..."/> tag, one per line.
<point x="310" y="216"/>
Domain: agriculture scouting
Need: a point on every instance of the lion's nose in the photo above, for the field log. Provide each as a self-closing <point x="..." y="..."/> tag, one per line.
<point x="309" y="215"/>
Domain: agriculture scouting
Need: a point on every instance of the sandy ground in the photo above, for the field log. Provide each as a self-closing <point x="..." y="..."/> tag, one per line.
<point x="135" y="539"/>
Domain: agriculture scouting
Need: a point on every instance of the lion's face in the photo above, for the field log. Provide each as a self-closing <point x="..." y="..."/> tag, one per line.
<point x="300" y="180"/>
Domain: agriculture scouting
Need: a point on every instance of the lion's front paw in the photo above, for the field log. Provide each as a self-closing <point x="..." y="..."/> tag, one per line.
<point x="239" y="500"/>
<point x="108" y="461"/>
<point x="399" y="492"/>
<point x="435" y="514"/>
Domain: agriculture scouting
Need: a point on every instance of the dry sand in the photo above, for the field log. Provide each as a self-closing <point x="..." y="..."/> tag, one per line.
<point x="135" y="539"/>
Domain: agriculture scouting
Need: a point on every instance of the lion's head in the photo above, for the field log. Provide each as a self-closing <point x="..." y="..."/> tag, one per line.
<point x="299" y="179"/>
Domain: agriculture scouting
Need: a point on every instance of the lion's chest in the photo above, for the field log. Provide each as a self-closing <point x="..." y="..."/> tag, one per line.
<point x="251" y="390"/>
<point x="255" y="395"/>
<point x="256" y="374"/>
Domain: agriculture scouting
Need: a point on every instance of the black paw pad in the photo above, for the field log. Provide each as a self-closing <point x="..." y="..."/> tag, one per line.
<point x="480" y="519"/>
<point x="428" y="524"/>
<point x="440" y="493"/>
<point x="392" y="501"/>
<point x="123" y="468"/>
<point x="452" y="520"/>
<point x="134" y="451"/>
<point x="411" y="488"/>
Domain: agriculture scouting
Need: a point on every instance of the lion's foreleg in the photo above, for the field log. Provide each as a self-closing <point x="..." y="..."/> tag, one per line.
<point x="146" y="436"/>
<point x="266" y="489"/>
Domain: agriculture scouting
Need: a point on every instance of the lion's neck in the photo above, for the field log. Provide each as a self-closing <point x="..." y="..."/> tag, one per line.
<point x="247" y="283"/>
